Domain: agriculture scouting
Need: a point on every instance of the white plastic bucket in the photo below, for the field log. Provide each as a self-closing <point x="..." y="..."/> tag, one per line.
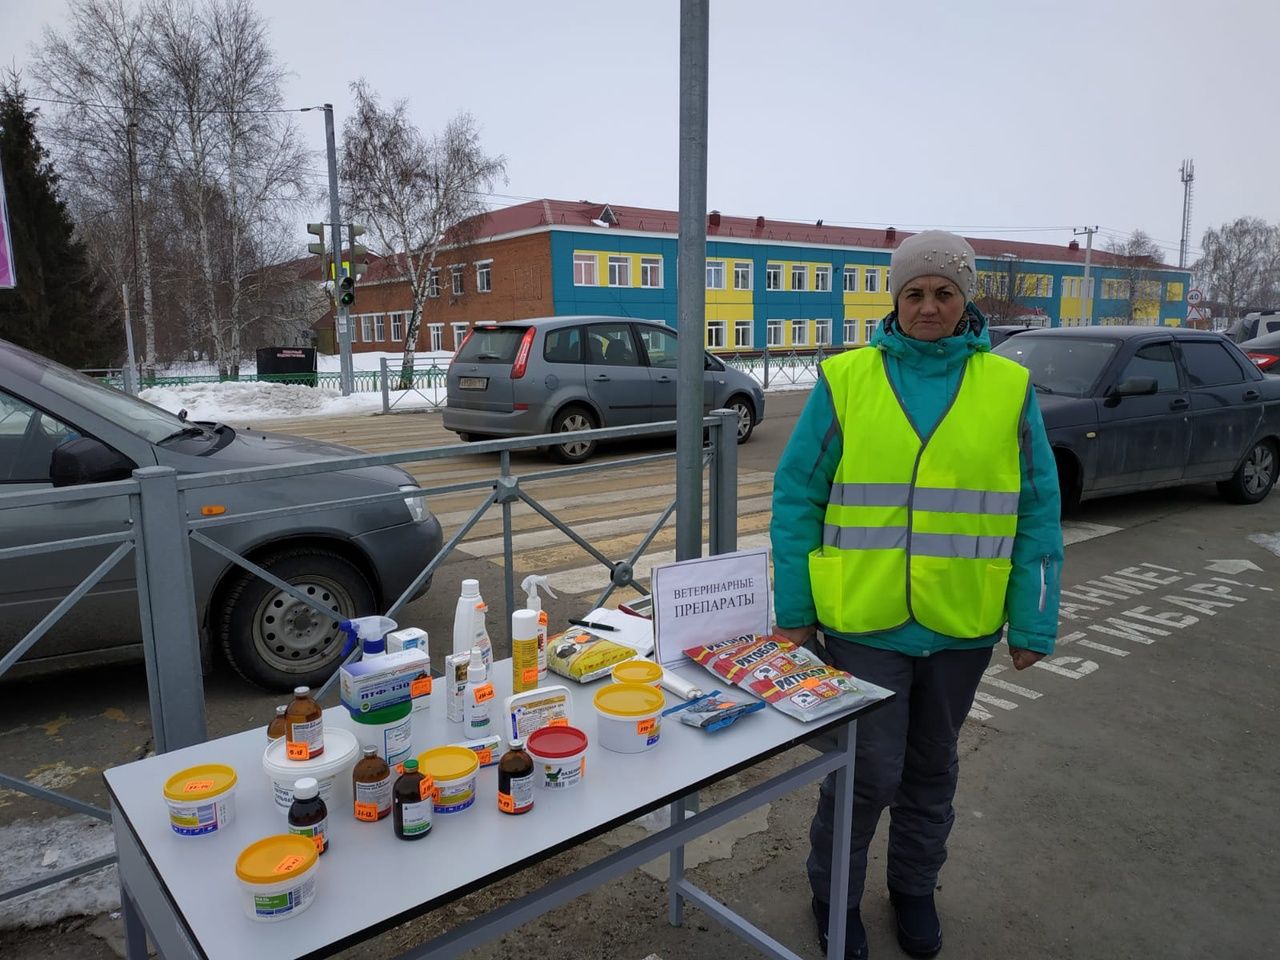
<point x="559" y="756"/>
<point x="201" y="800"/>
<point x="628" y="717"/>
<point x="277" y="876"/>
<point x="390" y="730"/>
<point x="331" y="768"/>
<point x="453" y="771"/>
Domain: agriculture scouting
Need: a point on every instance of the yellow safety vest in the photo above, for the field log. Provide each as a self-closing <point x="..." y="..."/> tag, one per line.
<point x="920" y="528"/>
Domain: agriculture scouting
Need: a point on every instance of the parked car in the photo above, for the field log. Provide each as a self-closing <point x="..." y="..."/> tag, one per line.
<point x="1134" y="408"/>
<point x="59" y="428"/>
<point x="522" y="378"/>
<point x="1001" y="332"/>
<point x="1256" y="324"/>
<point x="1264" y="351"/>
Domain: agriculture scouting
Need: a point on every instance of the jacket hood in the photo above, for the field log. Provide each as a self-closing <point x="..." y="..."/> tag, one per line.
<point x="890" y="338"/>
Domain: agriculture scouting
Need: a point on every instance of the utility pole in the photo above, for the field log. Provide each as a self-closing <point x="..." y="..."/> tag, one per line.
<point x="130" y="362"/>
<point x="1086" y="298"/>
<point x="346" y="378"/>
<point x="1188" y="175"/>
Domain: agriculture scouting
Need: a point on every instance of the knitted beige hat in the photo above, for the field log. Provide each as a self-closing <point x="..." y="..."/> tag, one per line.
<point x="934" y="253"/>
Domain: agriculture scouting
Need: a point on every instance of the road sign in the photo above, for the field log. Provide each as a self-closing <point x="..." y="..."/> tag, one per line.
<point x="1194" y="296"/>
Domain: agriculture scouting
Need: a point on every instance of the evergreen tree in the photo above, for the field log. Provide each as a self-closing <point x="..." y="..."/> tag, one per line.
<point x="59" y="308"/>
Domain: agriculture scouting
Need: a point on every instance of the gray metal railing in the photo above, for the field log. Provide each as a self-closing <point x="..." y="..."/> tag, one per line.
<point x="432" y="380"/>
<point x="160" y="532"/>
<point x="771" y="367"/>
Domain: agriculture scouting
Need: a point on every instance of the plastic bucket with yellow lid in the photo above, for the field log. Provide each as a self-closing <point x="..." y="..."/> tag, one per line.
<point x="202" y="800"/>
<point x="454" y="771"/>
<point x="637" y="671"/>
<point x="628" y="717"/>
<point x="278" y="876"/>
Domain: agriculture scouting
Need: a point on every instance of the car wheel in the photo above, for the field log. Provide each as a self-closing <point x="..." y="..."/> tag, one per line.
<point x="1255" y="477"/>
<point x="276" y="641"/>
<point x="571" y="420"/>
<point x="746" y="416"/>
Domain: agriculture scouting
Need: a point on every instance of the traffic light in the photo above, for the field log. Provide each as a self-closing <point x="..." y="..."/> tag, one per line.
<point x="316" y="230"/>
<point x="358" y="250"/>
<point x="347" y="291"/>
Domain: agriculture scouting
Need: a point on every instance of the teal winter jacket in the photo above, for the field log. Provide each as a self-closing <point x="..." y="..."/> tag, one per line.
<point x="927" y="377"/>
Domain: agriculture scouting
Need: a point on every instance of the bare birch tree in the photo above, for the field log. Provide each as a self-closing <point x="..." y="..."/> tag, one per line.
<point x="1238" y="263"/>
<point x="1141" y="258"/>
<point x="414" y="193"/>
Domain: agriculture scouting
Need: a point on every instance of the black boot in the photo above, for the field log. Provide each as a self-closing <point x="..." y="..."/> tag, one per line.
<point x="919" y="931"/>
<point x="855" y="934"/>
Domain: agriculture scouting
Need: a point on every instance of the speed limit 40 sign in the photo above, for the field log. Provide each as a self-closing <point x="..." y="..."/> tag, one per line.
<point x="1194" y="296"/>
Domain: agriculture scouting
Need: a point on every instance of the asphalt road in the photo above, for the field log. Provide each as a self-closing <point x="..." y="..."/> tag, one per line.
<point x="1115" y="801"/>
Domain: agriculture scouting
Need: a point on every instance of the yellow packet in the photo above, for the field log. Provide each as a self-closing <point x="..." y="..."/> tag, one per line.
<point x="583" y="657"/>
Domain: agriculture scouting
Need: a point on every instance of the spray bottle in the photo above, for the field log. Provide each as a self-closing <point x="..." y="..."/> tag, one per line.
<point x="370" y="633"/>
<point x="479" y="696"/>
<point x="533" y="601"/>
<point x="469" y="631"/>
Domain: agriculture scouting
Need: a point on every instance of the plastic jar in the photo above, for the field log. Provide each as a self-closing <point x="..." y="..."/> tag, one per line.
<point x="559" y="756"/>
<point x="340" y="753"/>
<point x="637" y="671"/>
<point x="202" y="800"/>
<point x="454" y="771"/>
<point x="389" y="729"/>
<point x="278" y="876"/>
<point x="628" y="716"/>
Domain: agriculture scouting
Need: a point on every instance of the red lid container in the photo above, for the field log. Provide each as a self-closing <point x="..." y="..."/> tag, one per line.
<point x="555" y="743"/>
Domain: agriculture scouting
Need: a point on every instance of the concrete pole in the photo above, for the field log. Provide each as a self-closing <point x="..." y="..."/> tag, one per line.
<point x="691" y="272"/>
<point x="1086" y="301"/>
<point x="130" y="362"/>
<point x="345" y="378"/>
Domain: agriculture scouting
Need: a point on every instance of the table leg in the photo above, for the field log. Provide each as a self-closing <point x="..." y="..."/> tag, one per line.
<point x="846" y="742"/>
<point x="135" y="934"/>
<point x="680" y="810"/>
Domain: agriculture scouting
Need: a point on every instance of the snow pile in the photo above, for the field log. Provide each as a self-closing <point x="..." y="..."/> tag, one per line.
<point x="29" y="851"/>
<point x="238" y="400"/>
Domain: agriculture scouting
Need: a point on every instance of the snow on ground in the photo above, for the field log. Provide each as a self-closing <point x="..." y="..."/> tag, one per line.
<point x="29" y="851"/>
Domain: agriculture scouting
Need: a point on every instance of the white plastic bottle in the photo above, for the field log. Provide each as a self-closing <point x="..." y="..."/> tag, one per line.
<point x="533" y="601"/>
<point x="469" y="630"/>
<point x="479" y="697"/>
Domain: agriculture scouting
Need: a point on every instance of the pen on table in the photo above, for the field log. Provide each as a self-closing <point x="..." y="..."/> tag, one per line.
<point x="591" y="625"/>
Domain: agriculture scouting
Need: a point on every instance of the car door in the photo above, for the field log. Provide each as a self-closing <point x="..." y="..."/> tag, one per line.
<point x="617" y="380"/>
<point x="1226" y="406"/>
<point x="1143" y="439"/>
<point x="661" y="353"/>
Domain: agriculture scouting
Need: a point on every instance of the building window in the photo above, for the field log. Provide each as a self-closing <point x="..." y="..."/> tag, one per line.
<point x="460" y="333"/>
<point x="798" y="274"/>
<point x="715" y="274"/>
<point x="433" y="282"/>
<point x="715" y="334"/>
<point x="773" y="276"/>
<point x="1044" y="288"/>
<point x="799" y="333"/>
<point x="456" y="271"/>
<point x="584" y="270"/>
<point x="822" y="329"/>
<point x="871" y="281"/>
<point x="822" y="278"/>
<point x="742" y="275"/>
<point x="1115" y="289"/>
<point x="437" y="336"/>
<point x="1173" y="292"/>
<point x="868" y="329"/>
<point x="773" y="333"/>
<point x="742" y="333"/>
<point x="397" y="327"/>
<point x="850" y="279"/>
<point x="850" y="331"/>
<point x="366" y="329"/>
<point x="484" y="276"/>
<point x="651" y="271"/>
<point x="380" y="327"/>
<point x="619" y="271"/>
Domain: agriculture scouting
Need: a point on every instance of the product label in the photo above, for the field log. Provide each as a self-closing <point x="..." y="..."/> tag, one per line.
<point x="529" y="676"/>
<point x="193" y="820"/>
<point x="426" y="789"/>
<point x="279" y="904"/>
<point x="308" y="734"/>
<point x="297" y="751"/>
<point x="484" y="693"/>
<point x="318" y="832"/>
<point x="197" y="786"/>
<point x="416" y="817"/>
<point x="288" y="864"/>
<point x="374" y="799"/>
<point x="485" y="756"/>
<point x="420" y="687"/>
<point x="520" y="798"/>
<point x="646" y="727"/>
<point x="558" y="722"/>
<point x="397" y="742"/>
<point x="563" y="774"/>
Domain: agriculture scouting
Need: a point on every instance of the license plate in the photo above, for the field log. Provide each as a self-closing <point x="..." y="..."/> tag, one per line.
<point x="473" y="383"/>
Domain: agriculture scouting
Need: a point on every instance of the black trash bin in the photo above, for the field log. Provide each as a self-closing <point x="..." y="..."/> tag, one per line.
<point x="287" y="365"/>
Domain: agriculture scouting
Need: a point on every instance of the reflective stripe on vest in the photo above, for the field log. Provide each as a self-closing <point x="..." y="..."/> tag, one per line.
<point x="920" y="527"/>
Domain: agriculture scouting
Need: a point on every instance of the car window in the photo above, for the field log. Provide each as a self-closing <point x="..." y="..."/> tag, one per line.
<point x="563" y="345"/>
<point x="1066" y="365"/>
<point x="660" y="347"/>
<point x="611" y="344"/>
<point x="1155" y="360"/>
<point x="1209" y="364"/>
<point x="491" y="345"/>
<point x="28" y="438"/>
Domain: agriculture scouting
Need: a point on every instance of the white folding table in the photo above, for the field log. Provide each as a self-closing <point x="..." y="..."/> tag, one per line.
<point x="184" y="894"/>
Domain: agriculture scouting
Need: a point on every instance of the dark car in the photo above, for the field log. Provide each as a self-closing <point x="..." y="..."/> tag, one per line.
<point x="566" y="374"/>
<point x="1264" y="351"/>
<point x="1134" y="408"/>
<point x="1001" y="332"/>
<point x="58" y="427"/>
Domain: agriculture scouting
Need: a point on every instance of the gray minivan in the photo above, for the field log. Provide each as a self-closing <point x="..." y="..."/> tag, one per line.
<point x="59" y="428"/>
<point x="521" y="378"/>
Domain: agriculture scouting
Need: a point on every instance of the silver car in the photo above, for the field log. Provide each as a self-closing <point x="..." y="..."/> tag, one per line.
<point x="566" y="374"/>
<point x="58" y="428"/>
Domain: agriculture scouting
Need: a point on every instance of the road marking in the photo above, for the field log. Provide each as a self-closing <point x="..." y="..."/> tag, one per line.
<point x="995" y="701"/>
<point x="1078" y="531"/>
<point x="989" y="678"/>
<point x="1102" y="647"/>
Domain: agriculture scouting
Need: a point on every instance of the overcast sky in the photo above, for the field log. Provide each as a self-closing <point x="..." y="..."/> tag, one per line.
<point x="995" y="117"/>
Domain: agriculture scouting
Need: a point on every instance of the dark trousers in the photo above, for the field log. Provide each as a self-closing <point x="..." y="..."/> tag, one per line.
<point x="906" y="760"/>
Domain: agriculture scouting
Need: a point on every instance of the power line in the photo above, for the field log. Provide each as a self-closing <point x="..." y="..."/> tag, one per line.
<point x="168" y="110"/>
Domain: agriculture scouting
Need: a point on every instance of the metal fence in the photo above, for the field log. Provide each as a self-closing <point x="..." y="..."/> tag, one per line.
<point x="773" y="367"/>
<point x="162" y="532"/>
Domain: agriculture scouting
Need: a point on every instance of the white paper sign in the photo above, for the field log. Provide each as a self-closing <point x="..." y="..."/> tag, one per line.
<point x="708" y="599"/>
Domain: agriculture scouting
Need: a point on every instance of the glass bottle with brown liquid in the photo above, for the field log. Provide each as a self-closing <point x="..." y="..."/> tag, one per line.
<point x="515" y="780"/>
<point x="305" y="723"/>
<point x="371" y="784"/>
<point x="412" y="803"/>
<point x="279" y="726"/>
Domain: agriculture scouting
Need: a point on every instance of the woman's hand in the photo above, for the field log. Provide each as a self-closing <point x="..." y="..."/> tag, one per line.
<point x="798" y="635"/>
<point x="1023" y="658"/>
